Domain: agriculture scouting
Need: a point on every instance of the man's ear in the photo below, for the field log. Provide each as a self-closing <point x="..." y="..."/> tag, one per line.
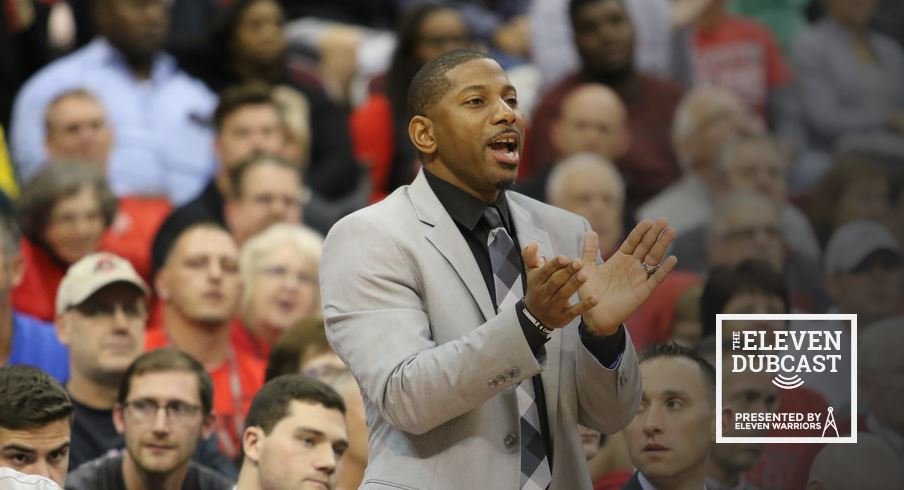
<point x="420" y="130"/>
<point x="118" y="419"/>
<point x="209" y="427"/>
<point x="62" y="328"/>
<point x="161" y="284"/>
<point x="727" y="414"/>
<point x="251" y="443"/>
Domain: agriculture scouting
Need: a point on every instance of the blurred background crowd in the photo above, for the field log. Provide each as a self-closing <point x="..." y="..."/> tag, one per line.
<point x="212" y="144"/>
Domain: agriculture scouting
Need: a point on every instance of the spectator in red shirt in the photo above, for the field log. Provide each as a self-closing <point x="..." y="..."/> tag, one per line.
<point x="200" y="289"/>
<point x="604" y="36"/>
<point x="379" y="127"/>
<point x="77" y="130"/>
<point x="742" y="56"/>
<point x="63" y="213"/>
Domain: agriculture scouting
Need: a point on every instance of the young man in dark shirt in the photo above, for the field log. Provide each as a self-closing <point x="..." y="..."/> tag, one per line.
<point x="163" y="410"/>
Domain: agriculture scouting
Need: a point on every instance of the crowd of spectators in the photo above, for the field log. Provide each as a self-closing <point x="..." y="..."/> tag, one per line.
<point x="169" y="168"/>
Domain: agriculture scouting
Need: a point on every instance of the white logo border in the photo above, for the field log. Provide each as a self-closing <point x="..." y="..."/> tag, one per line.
<point x="851" y="439"/>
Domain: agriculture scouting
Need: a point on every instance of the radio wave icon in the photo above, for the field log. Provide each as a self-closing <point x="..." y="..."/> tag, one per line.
<point x="787" y="382"/>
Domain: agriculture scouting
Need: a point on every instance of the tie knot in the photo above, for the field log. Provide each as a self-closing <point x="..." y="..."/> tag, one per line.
<point x="493" y="218"/>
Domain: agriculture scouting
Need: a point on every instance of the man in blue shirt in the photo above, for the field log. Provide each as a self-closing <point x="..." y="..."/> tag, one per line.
<point x="23" y="339"/>
<point x="159" y="114"/>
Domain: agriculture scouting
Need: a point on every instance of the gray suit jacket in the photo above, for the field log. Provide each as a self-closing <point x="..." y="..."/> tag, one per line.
<point x="407" y="309"/>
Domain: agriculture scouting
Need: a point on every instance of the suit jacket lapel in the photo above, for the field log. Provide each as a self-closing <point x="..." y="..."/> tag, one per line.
<point x="446" y="237"/>
<point x="529" y="230"/>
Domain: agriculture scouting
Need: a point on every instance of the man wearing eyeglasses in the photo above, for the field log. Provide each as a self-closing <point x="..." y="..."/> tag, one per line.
<point x="101" y="316"/>
<point x="163" y="409"/>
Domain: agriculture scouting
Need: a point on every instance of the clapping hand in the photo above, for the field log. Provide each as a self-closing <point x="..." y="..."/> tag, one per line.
<point x="620" y="285"/>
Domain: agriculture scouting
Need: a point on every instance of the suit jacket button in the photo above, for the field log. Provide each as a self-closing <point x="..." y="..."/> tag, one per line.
<point x="492" y="383"/>
<point x="622" y="380"/>
<point x="510" y="440"/>
<point x="501" y="379"/>
<point x="515" y="372"/>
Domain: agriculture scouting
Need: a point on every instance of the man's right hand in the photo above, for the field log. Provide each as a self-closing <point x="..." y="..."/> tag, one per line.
<point x="550" y="286"/>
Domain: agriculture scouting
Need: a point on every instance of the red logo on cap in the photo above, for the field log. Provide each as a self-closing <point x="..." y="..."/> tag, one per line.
<point x="104" y="264"/>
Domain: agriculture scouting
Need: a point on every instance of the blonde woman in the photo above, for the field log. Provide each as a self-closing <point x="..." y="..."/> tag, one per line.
<point x="279" y="268"/>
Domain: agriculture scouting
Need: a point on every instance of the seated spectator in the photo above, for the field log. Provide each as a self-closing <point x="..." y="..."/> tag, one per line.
<point x="880" y="375"/>
<point x="265" y="190"/>
<point x="248" y="43"/>
<point x="165" y="151"/>
<point x="158" y="449"/>
<point x="101" y="314"/>
<point x="63" y="213"/>
<point x="753" y="164"/>
<point x="591" y="187"/>
<point x="77" y="130"/>
<point x="741" y="55"/>
<point x="870" y="462"/>
<point x="101" y="310"/>
<point x="279" y="269"/>
<point x="687" y="329"/>
<point x="851" y="81"/>
<point x="286" y="409"/>
<point x="746" y="226"/>
<point x="247" y="122"/>
<point x="856" y="188"/>
<point x="604" y="36"/>
<point x="673" y="432"/>
<point x="755" y="287"/>
<point x="35" y="422"/>
<point x="745" y="392"/>
<point x="200" y="289"/>
<point x="593" y="120"/>
<point x="864" y="275"/>
<point x="305" y="349"/>
<point x="706" y="119"/>
<point x="24" y="339"/>
<point x="379" y="126"/>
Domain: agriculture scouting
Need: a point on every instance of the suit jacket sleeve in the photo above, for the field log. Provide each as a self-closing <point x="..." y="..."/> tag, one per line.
<point x="379" y="323"/>
<point x="607" y="398"/>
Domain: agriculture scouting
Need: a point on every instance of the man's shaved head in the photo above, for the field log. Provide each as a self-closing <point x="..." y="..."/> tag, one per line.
<point x="430" y="83"/>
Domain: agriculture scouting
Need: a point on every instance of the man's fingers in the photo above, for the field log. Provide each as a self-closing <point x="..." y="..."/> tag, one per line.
<point x="657" y="251"/>
<point x="564" y="282"/>
<point x="582" y="306"/>
<point x="531" y="256"/>
<point x="664" y="269"/>
<point x="634" y="238"/>
<point x="540" y="276"/>
<point x="649" y="239"/>
<point x="591" y="247"/>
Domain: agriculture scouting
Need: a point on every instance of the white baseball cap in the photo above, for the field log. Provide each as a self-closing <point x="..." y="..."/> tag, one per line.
<point x="854" y="242"/>
<point x="92" y="273"/>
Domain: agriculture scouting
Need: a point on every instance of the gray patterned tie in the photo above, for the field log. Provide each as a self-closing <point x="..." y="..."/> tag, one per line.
<point x="535" y="471"/>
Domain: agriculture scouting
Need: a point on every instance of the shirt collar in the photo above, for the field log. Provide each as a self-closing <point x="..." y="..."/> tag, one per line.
<point x="464" y="208"/>
<point x="162" y="68"/>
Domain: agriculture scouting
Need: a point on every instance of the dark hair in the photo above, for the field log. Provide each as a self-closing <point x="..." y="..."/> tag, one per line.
<point x="430" y="83"/>
<point x="30" y="398"/>
<point x="238" y="173"/>
<point x="288" y="351"/>
<point x="221" y="36"/>
<point x="164" y="360"/>
<point x="724" y="283"/>
<point x="167" y="248"/>
<point x="240" y="96"/>
<point x="676" y="351"/>
<point x="271" y="403"/>
<point x="54" y="182"/>
<point x="9" y="237"/>
<point x="575" y="6"/>
<point x="404" y="65"/>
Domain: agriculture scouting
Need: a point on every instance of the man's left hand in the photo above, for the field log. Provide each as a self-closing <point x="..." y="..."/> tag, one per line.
<point x="622" y="283"/>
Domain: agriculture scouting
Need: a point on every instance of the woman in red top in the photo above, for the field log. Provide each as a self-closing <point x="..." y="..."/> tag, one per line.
<point x="379" y="126"/>
<point x="63" y="212"/>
